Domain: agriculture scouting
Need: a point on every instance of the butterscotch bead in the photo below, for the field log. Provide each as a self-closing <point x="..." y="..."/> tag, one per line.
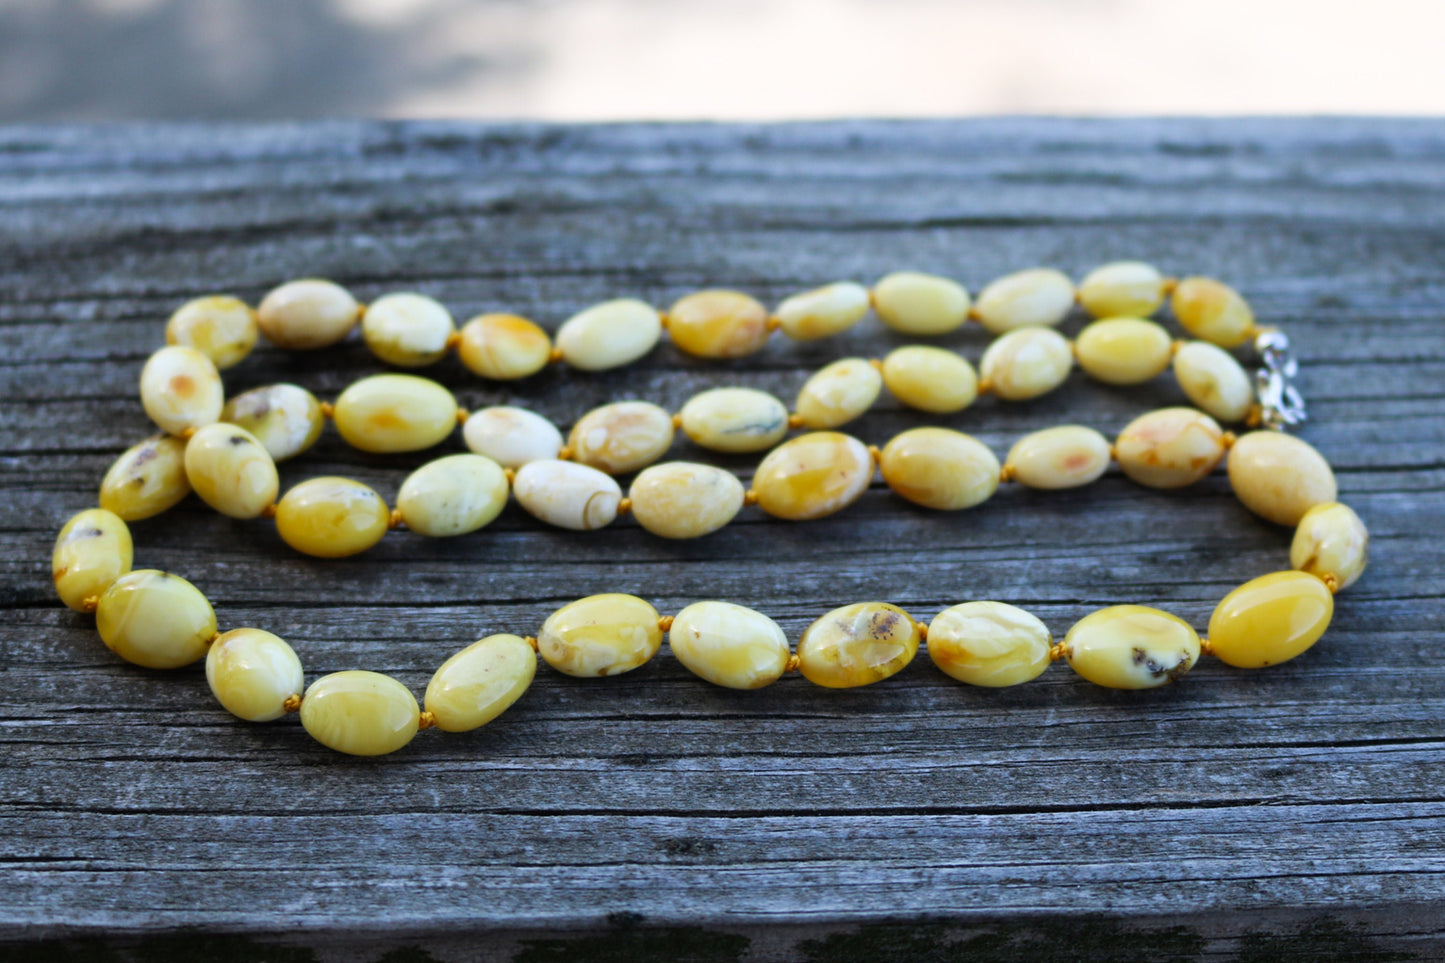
<point x="1026" y="363"/>
<point x="989" y="644"/>
<point x="480" y="682"/>
<point x="331" y="517"/>
<point x="146" y="479"/>
<point x="609" y="335"/>
<point x="940" y="468"/>
<point x="92" y="550"/>
<point x="915" y="303"/>
<point x="1270" y="619"/>
<point x="231" y="471"/>
<point x="511" y="437"/>
<point x="221" y="328"/>
<point x="1131" y="647"/>
<point x="452" y="495"/>
<point x="1063" y="457"/>
<point x="734" y="419"/>
<point x="1212" y="310"/>
<point x="930" y="379"/>
<point x="857" y="645"/>
<point x="729" y="645"/>
<point x="181" y="389"/>
<point x="360" y="713"/>
<point x="600" y="635"/>
<point x="407" y="330"/>
<point x="1035" y="297"/>
<point x="395" y="412"/>
<point x="155" y="619"/>
<point x="838" y="393"/>
<point x="813" y="475"/>
<point x="1331" y="540"/>
<point x="621" y="437"/>
<point x="503" y="347"/>
<point x="1123" y="351"/>
<point x="566" y="494"/>
<point x="718" y="324"/>
<point x="1129" y="289"/>
<point x="285" y="419"/>
<point x="823" y="312"/>
<point x="1214" y="380"/>
<point x="306" y="314"/>
<point x="685" y="500"/>
<point x="1170" y="447"/>
<point x="1279" y="477"/>
<point x="252" y="673"/>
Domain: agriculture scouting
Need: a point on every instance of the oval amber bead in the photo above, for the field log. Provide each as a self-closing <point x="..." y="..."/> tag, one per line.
<point x="857" y="645"/>
<point x="915" y="303"/>
<point x="231" y="471"/>
<point x="734" y="419"/>
<point x="511" y="437"/>
<point x="609" y="335"/>
<point x="838" y="393"/>
<point x="566" y="494"/>
<point x="1063" y="457"/>
<point x="1214" y="380"/>
<point x="684" y="500"/>
<point x="940" y="468"/>
<point x="91" y="552"/>
<point x="395" y="412"/>
<point x="729" y="645"/>
<point x="180" y="389"/>
<point x="252" y="673"/>
<point x="930" y="379"/>
<point x="360" y="713"/>
<point x="1169" y="448"/>
<point x="1270" y="619"/>
<point x="452" y="495"/>
<point x="146" y="479"/>
<point x="309" y="313"/>
<point x="1131" y="647"/>
<point x="989" y="644"/>
<point x="1212" y="310"/>
<point x="331" y="517"/>
<point x="407" y="330"/>
<point x="1035" y="297"/>
<point x="219" y="327"/>
<point x="1130" y="289"/>
<point x="503" y="347"/>
<point x="813" y="475"/>
<point x="823" y="312"/>
<point x="1279" y="476"/>
<point x="1331" y="540"/>
<point x="480" y="682"/>
<point x="1123" y="351"/>
<point x="155" y="619"/>
<point x="286" y="419"/>
<point x="621" y="437"/>
<point x="1026" y="363"/>
<point x="718" y="324"/>
<point x="600" y="635"/>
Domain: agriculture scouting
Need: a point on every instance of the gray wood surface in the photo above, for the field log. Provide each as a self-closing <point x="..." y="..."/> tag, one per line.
<point x="1289" y="813"/>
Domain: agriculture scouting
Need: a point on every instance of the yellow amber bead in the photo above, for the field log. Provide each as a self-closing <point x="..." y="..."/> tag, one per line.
<point x="91" y="552"/>
<point x="480" y="682"/>
<point x="940" y="468"/>
<point x="1035" y="297"/>
<point x="1131" y="289"/>
<point x="857" y="645"/>
<point x="989" y="644"/>
<point x="331" y="517"/>
<point x="309" y="313"/>
<point x="734" y="419"/>
<point x="729" y="645"/>
<point x="609" y="335"/>
<point x="1214" y="311"/>
<point x="503" y="347"/>
<point x="511" y="437"/>
<point x="231" y="471"/>
<point x="180" y="389"/>
<point x="1131" y="647"/>
<point x="1063" y="457"/>
<point x="155" y="619"/>
<point x="600" y="635"/>
<point x="813" y="475"/>
<point x="221" y="328"/>
<point x="452" y="495"/>
<point x="1123" y="351"/>
<point x="823" y="312"/>
<point x="360" y="713"/>
<point x="1214" y="380"/>
<point x="1270" y="619"/>
<point x="395" y="412"/>
<point x="1331" y="540"/>
<point x="621" y="437"/>
<point x="838" y="393"/>
<point x="685" y="500"/>
<point x="252" y="673"/>
<point x="566" y="494"/>
<point x="407" y="330"/>
<point x="718" y="324"/>
<point x="915" y="303"/>
<point x="1279" y="476"/>
<point x="146" y="479"/>
<point x="286" y="419"/>
<point x="1026" y="363"/>
<point x="1169" y="448"/>
<point x="930" y="379"/>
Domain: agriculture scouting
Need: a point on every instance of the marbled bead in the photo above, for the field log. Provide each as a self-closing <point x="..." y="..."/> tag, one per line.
<point x="1279" y="477"/>
<point x="181" y="389"/>
<point x="989" y="644"/>
<point x="729" y="645"/>
<point x="360" y="713"/>
<point x="221" y="328"/>
<point x="813" y="475"/>
<point x="857" y="645"/>
<point x="823" y="312"/>
<point x="1212" y="310"/>
<point x="734" y="419"/>
<point x="916" y="303"/>
<point x="1123" y="351"/>
<point x="1170" y="447"/>
<point x="566" y="494"/>
<point x="146" y="479"/>
<point x="231" y="471"/>
<point x="621" y="437"/>
<point x="940" y="468"/>
<point x="331" y="517"/>
<point x="718" y="324"/>
<point x="395" y="412"/>
<point x="93" y="549"/>
<point x="511" y="437"/>
<point x="1066" y="456"/>
<point x="1270" y="619"/>
<point x="1214" y="380"/>
<point x="286" y="419"/>
<point x="309" y="313"/>
<point x="1026" y="363"/>
<point x="1331" y="540"/>
<point x="452" y="495"/>
<point x="685" y="500"/>
<point x="252" y="673"/>
<point x="600" y="635"/>
<point x="609" y="335"/>
<point x="155" y="619"/>
<point x="1131" y="289"/>
<point x="930" y="379"/>
<point x="503" y="347"/>
<point x="1131" y="647"/>
<point x="480" y="682"/>
<point x="1034" y="297"/>
<point x="838" y="393"/>
<point x="407" y="330"/>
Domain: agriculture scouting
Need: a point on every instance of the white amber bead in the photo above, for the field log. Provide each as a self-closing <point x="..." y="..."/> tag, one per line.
<point x="915" y="303"/>
<point x="685" y="500"/>
<point x="718" y="324"/>
<point x="734" y="419"/>
<point x="1270" y="619"/>
<point x="1123" y="351"/>
<point x="566" y="494"/>
<point x="1064" y="457"/>
<point x="91" y="552"/>
<point x="1279" y="476"/>
<point x="1331" y="540"/>
<point x="609" y="335"/>
<point x="837" y="394"/>
<point x="939" y="468"/>
<point x="511" y="437"/>
<point x="309" y="313"/>
<point x="146" y="479"/>
<point x="452" y="495"/>
<point x="221" y="328"/>
<point x="360" y="713"/>
<point x="600" y="635"/>
<point x="1131" y="289"/>
<point x="1213" y="380"/>
<point x="231" y="471"/>
<point x="286" y="419"/>
<point x="503" y="347"/>
<point x="180" y="388"/>
<point x="857" y="645"/>
<point x="822" y="312"/>
<point x="729" y="645"/>
<point x="395" y="412"/>
<point x="480" y="682"/>
<point x="407" y="330"/>
<point x="621" y="437"/>
<point x="1170" y="447"/>
<point x="1131" y="647"/>
<point x="1035" y="297"/>
<point x="252" y="673"/>
<point x="1026" y="363"/>
<point x="1212" y="310"/>
<point x="331" y="517"/>
<point x="989" y="644"/>
<point x="813" y="475"/>
<point x="155" y="619"/>
<point x="930" y="379"/>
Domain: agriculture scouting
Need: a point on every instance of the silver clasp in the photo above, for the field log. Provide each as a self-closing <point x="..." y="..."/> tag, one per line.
<point x="1281" y="405"/>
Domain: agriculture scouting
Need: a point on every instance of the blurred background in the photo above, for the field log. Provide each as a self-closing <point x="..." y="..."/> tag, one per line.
<point x="717" y="59"/>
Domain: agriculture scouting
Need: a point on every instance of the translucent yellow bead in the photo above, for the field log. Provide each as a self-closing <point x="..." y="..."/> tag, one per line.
<point x="566" y="494"/>
<point x="1123" y="351"/>
<point x="1270" y="619"/>
<point x="989" y="644"/>
<point x="915" y="303"/>
<point x="286" y="419"/>
<point x="91" y="552"/>
<point x="729" y="645"/>
<point x="1279" y="476"/>
<point x="1170" y="447"/>
<point x="154" y="619"/>
<point x="1212" y="310"/>
<point x="838" y="393"/>
<point x="480" y="682"/>
<point x="146" y="479"/>
<point x="684" y="500"/>
<point x="1035" y="297"/>
<point x="600" y="635"/>
<point x="221" y="328"/>
<point x="1331" y="540"/>
<point x="1064" y="457"/>
<point x="718" y="324"/>
<point x="231" y="471"/>
<point x="407" y="330"/>
<point x="331" y="517"/>
<point x="511" y="437"/>
<point x="930" y="379"/>
<point x="940" y="468"/>
<point x="1213" y="380"/>
<point x="813" y="475"/>
<point x="252" y="673"/>
<point x="609" y="335"/>
<point x="1027" y="362"/>
<point x="180" y="389"/>
<point x="621" y="437"/>
<point x="309" y="313"/>
<point x="395" y="412"/>
<point x="360" y="713"/>
<point x="734" y="419"/>
<point x="503" y="347"/>
<point x="857" y="645"/>
<point x="452" y="495"/>
<point x="823" y="312"/>
<point x="1131" y="647"/>
<point x="1131" y="289"/>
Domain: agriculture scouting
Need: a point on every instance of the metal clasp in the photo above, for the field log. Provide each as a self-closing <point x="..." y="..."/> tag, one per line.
<point x="1281" y="405"/>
